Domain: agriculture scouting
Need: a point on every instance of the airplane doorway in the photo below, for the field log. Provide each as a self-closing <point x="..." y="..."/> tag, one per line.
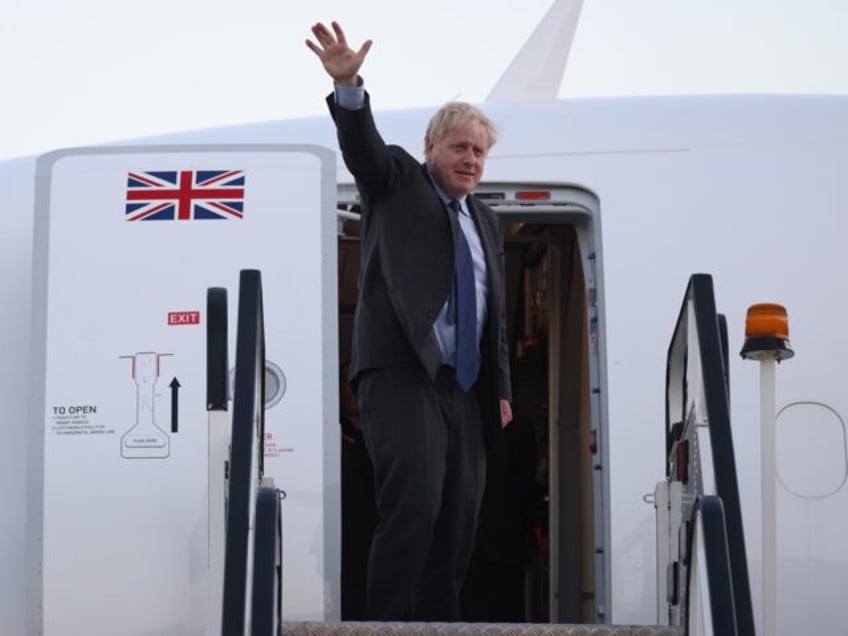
<point x="543" y="528"/>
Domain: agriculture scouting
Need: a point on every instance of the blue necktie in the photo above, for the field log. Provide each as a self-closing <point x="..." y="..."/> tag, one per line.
<point x="467" y="351"/>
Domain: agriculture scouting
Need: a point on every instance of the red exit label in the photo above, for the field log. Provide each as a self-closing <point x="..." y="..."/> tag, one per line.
<point x="183" y="317"/>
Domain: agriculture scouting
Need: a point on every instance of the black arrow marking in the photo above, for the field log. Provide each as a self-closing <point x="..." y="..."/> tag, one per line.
<point x="175" y="404"/>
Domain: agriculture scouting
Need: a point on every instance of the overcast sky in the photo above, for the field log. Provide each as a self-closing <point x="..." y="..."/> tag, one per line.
<point x="78" y="72"/>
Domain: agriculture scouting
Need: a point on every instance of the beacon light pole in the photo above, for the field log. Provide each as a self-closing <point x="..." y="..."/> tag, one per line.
<point x="767" y="341"/>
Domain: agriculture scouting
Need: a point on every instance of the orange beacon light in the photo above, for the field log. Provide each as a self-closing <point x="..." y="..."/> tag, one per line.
<point x="766" y="333"/>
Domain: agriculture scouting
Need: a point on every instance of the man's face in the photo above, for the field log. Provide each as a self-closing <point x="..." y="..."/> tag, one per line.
<point x="456" y="160"/>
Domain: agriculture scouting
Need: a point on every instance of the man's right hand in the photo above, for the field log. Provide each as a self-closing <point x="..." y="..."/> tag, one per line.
<point x="340" y="61"/>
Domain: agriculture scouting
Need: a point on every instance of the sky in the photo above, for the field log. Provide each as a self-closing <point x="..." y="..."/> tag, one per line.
<point x="79" y="72"/>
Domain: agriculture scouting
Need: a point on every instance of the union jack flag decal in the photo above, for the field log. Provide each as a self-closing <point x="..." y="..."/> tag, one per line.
<point x="185" y="195"/>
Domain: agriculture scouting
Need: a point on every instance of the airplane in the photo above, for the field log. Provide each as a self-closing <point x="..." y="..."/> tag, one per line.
<point x="609" y="207"/>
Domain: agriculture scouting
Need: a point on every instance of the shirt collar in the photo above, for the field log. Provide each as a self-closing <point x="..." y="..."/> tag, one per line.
<point x="463" y="205"/>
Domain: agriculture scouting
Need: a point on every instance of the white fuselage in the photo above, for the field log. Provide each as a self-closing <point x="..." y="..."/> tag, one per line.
<point x="752" y="190"/>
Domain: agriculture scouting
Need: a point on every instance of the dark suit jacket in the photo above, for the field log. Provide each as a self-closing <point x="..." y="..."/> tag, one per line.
<point x="407" y="263"/>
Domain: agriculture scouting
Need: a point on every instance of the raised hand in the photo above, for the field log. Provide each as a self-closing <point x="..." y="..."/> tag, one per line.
<point x="340" y="61"/>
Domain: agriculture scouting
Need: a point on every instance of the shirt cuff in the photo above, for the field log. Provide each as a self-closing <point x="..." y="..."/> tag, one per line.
<point x="351" y="98"/>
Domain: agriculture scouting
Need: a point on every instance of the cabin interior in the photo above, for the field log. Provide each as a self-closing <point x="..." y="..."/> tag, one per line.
<point x="539" y="550"/>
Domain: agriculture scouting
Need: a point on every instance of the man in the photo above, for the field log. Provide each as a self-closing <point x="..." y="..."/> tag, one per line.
<point x="430" y="362"/>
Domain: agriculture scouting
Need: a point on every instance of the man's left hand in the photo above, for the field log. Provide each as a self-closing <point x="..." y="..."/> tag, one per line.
<point x="506" y="413"/>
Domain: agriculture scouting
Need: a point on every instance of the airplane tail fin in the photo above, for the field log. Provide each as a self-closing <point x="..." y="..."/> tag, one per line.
<point x="536" y="72"/>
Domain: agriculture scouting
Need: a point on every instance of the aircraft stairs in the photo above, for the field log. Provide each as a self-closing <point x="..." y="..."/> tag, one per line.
<point x="702" y="566"/>
<point x="703" y="586"/>
<point x="250" y="584"/>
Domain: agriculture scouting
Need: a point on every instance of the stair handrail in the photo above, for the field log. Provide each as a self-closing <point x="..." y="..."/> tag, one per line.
<point x="246" y="453"/>
<point x="702" y="332"/>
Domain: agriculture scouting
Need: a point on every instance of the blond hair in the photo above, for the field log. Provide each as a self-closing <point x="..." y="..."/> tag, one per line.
<point x="455" y="115"/>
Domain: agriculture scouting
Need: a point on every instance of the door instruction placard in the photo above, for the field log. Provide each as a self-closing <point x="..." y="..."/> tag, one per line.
<point x="127" y="242"/>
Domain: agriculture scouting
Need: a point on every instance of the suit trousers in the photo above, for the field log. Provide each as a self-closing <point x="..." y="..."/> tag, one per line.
<point x="428" y="448"/>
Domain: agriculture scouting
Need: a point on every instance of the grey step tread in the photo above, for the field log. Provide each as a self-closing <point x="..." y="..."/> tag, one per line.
<point x="472" y="629"/>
